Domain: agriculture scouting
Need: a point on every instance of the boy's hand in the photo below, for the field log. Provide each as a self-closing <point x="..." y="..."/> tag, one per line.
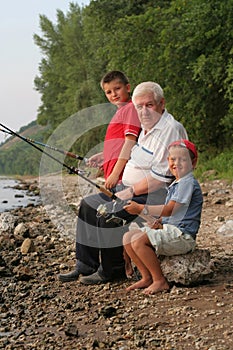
<point x="96" y="161"/>
<point x="156" y="224"/>
<point x="111" y="181"/>
<point x="133" y="208"/>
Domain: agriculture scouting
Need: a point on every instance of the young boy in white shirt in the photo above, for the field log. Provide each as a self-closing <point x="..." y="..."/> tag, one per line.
<point x="178" y="220"/>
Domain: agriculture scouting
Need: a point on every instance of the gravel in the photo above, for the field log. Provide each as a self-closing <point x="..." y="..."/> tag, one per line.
<point x="37" y="311"/>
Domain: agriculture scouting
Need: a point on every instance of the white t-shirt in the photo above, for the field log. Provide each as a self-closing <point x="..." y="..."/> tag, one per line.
<point x="149" y="155"/>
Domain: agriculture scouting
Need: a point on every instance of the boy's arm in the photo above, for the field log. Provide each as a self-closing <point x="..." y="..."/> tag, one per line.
<point x="124" y="156"/>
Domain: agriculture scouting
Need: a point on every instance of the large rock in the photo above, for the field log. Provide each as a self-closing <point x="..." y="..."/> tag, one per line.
<point x="188" y="269"/>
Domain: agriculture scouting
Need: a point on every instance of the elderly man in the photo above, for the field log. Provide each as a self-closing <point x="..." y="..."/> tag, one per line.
<point x="99" y="250"/>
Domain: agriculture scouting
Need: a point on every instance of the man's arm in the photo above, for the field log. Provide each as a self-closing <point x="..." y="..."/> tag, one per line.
<point x="146" y="185"/>
<point x="155" y="210"/>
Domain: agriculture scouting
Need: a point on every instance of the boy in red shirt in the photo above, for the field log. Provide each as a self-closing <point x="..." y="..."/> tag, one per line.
<point x="122" y="130"/>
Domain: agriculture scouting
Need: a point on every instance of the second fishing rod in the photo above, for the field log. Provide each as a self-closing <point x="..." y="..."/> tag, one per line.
<point x="70" y="168"/>
<point x="69" y="154"/>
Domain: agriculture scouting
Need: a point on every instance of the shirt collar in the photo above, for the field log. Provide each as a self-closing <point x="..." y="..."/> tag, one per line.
<point x="187" y="176"/>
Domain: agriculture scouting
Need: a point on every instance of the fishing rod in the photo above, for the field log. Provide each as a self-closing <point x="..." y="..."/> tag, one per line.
<point x="69" y="154"/>
<point x="70" y="168"/>
<point x="103" y="209"/>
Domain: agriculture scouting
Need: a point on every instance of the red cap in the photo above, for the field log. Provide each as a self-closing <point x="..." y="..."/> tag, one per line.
<point x="187" y="144"/>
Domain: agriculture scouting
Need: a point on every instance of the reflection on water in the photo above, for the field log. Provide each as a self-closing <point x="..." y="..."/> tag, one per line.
<point x="11" y="198"/>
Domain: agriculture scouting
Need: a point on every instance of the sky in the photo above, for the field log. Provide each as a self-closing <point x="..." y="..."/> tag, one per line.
<point x="20" y="57"/>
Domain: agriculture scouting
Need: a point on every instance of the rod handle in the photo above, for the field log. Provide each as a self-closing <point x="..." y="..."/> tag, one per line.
<point x="107" y="192"/>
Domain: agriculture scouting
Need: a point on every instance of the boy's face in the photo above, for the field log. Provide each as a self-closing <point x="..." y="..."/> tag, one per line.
<point x="117" y="92"/>
<point x="179" y="161"/>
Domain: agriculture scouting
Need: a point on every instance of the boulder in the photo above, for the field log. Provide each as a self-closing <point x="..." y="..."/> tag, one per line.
<point x="188" y="269"/>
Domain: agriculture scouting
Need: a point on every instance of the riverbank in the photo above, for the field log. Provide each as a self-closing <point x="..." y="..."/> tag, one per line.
<point x="14" y="194"/>
<point x="39" y="312"/>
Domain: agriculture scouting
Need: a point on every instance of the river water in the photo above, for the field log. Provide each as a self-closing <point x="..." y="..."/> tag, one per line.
<point x="11" y="198"/>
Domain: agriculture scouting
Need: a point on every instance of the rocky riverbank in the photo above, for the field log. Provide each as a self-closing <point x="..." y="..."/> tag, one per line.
<point x="39" y="312"/>
<point x="13" y="195"/>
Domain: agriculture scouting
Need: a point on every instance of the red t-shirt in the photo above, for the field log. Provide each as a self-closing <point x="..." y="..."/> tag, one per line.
<point x="124" y="122"/>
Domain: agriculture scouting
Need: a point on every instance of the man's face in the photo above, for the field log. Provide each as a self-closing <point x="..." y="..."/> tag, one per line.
<point x="149" y="111"/>
<point x="117" y="92"/>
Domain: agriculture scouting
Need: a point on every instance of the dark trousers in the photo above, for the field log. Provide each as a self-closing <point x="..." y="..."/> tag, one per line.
<point x="99" y="242"/>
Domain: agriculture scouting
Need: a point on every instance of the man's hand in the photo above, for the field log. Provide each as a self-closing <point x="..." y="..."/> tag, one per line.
<point x="133" y="207"/>
<point x="125" y="194"/>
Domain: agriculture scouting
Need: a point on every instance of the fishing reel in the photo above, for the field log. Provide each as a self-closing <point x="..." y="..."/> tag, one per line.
<point x="109" y="210"/>
<point x="78" y="171"/>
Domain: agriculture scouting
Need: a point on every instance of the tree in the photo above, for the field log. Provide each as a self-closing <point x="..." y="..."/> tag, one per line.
<point x="62" y="69"/>
<point x="198" y="44"/>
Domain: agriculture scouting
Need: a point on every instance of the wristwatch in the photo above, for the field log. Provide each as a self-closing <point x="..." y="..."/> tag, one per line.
<point x="145" y="210"/>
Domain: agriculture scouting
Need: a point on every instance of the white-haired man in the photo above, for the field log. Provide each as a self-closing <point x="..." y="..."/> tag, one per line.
<point x="99" y="250"/>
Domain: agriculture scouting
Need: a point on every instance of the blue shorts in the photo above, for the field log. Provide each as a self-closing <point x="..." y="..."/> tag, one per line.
<point x="170" y="240"/>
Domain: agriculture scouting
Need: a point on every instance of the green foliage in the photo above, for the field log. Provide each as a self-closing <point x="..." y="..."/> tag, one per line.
<point x="195" y="64"/>
<point x="62" y="80"/>
<point x="19" y="158"/>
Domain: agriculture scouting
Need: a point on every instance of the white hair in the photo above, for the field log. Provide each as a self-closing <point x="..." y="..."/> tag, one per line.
<point x="148" y="86"/>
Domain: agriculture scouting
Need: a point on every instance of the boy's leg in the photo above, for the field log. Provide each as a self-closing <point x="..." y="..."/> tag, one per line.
<point x="129" y="240"/>
<point x="167" y="241"/>
<point x="142" y="253"/>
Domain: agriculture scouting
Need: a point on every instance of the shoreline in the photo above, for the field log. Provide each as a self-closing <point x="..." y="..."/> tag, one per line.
<point x="37" y="309"/>
<point x="18" y="193"/>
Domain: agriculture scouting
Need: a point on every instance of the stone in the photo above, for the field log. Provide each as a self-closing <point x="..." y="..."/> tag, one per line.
<point x="71" y="330"/>
<point x="19" y="195"/>
<point x="23" y="273"/>
<point x="226" y="229"/>
<point x="188" y="269"/>
<point x="229" y="203"/>
<point x="7" y="222"/>
<point x="27" y="246"/>
<point x="21" y="229"/>
<point x="219" y="218"/>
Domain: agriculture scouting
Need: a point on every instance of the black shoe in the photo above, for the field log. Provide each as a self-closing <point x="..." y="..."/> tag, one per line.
<point x="70" y="276"/>
<point x="95" y="278"/>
